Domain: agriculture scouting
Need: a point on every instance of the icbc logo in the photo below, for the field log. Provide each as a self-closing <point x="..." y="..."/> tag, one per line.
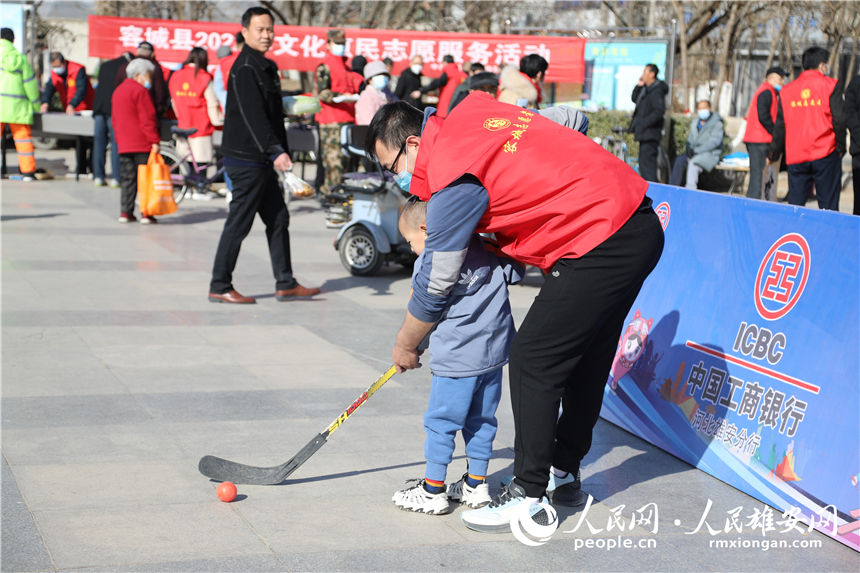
<point x="782" y="276"/>
<point x="663" y="212"/>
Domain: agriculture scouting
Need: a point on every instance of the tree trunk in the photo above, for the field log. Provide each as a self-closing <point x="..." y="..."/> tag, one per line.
<point x="682" y="44"/>
<point x="726" y="48"/>
<point x="785" y="11"/>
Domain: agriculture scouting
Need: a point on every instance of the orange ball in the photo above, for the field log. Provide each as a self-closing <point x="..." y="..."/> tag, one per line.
<point x="226" y="491"/>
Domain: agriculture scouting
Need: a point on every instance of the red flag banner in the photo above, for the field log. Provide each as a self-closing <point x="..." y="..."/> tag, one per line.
<point x="302" y="47"/>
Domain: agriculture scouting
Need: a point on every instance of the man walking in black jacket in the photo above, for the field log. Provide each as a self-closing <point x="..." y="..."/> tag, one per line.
<point x="255" y="141"/>
<point x="648" y="117"/>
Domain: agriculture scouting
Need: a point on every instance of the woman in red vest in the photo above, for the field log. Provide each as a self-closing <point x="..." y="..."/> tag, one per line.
<point x="196" y="106"/>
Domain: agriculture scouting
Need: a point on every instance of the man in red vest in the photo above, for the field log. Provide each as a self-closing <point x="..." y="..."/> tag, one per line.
<point x="811" y="128"/>
<point x="69" y="80"/>
<point x="761" y="117"/>
<point x="447" y="82"/>
<point x="555" y="200"/>
<point x="338" y="94"/>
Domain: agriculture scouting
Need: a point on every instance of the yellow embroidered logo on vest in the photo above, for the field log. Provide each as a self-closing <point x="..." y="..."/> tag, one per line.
<point x="496" y="123"/>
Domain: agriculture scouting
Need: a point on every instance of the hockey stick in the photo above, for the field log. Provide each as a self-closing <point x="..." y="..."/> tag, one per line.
<point x="220" y="469"/>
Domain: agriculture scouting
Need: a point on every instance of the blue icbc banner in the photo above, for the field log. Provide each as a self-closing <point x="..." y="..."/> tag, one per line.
<point x="740" y="355"/>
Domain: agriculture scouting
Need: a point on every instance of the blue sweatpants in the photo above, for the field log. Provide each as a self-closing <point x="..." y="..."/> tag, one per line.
<point x="467" y="405"/>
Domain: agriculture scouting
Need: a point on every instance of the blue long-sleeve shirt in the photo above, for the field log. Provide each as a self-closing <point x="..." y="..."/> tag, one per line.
<point x="475" y="329"/>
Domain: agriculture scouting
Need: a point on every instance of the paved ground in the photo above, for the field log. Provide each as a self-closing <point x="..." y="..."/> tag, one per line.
<point x="118" y="375"/>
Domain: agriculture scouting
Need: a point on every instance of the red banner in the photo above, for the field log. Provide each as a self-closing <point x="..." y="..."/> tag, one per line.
<point x="302" y="47"/>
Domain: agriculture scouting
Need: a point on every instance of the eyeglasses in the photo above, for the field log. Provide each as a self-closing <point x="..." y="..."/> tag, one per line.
<point x="396" y="159"/>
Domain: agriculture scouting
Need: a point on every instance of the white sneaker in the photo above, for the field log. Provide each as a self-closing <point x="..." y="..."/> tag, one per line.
<point x="28" y="178"/>
<point x="113" y="184"/>
<point x="99" y="182"/>
<point x="496" y="517"/>
<point x="202" y="196"/>
<point x="416" y="498"/>
<point x="474" y="497"/>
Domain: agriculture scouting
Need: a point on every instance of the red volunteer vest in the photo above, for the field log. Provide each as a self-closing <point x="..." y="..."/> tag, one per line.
<point x="225" y="64"/>
<point x="186" y="90"/>
<point x="808" y="120"/>
<point x="755" y="132"/>
<point x="554" y="193"/>
<point x="66" y="88"/>
<point x="455" y="78"/>
<point x="342" y="83"/>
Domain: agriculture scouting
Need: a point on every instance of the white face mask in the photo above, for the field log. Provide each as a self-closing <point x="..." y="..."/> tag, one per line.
<point x="379" y="82"/>
<point x="59" y="71"/>
<point x="338" y="49"/>
<point x="416" y="69"/>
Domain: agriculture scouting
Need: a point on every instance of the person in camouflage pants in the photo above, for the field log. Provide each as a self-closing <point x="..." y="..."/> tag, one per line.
<point x="337" y="88"/>
<point x="332" y="156"/>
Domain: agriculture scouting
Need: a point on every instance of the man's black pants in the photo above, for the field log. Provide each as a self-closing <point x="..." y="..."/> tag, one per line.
<point x="648" y="160"/>
<point x="826" y="173"/>
<point x="563" y="350"/>
<point x="855" y="176"/>
<point x="255" y="190"/>
<point x="758" y="163"/>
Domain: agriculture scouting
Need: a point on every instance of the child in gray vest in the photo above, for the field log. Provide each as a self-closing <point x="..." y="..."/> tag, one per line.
<point x="468" y="347"/>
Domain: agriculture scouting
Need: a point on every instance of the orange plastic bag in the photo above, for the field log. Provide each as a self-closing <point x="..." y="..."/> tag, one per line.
<point x="154" y="187"/>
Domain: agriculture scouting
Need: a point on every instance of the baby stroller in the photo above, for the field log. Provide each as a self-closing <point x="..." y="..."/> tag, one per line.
<point x="366" y="207"/>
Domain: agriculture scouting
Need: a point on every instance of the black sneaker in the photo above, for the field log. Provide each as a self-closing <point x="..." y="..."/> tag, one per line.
<point x="566" y="491"/>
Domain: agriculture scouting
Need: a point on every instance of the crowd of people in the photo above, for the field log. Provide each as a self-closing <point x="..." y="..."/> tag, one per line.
<point x="801" y="124"/>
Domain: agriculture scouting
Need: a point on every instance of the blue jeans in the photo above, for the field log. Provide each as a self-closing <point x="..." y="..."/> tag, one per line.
<point x="467" y="405"/>
<point x="104" y="129"/>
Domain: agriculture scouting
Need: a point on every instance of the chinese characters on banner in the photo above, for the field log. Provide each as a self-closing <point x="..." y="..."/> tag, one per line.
<point x="301" y="48"/>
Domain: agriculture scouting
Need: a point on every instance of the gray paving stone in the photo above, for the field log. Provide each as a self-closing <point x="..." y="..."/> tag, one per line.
<point x="117" y="383"/>
<point x="22" y="547"/>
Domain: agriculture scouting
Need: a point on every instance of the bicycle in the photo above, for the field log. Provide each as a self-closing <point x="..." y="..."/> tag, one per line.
<point x="189" y="177"/>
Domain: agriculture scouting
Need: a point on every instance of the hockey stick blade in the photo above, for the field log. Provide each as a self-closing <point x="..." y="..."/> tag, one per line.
<point x="220" y="469"/>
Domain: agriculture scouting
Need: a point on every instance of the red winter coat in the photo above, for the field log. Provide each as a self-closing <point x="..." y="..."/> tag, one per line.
<point x="133" y="117"/>
<point x="554" y="193"/>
